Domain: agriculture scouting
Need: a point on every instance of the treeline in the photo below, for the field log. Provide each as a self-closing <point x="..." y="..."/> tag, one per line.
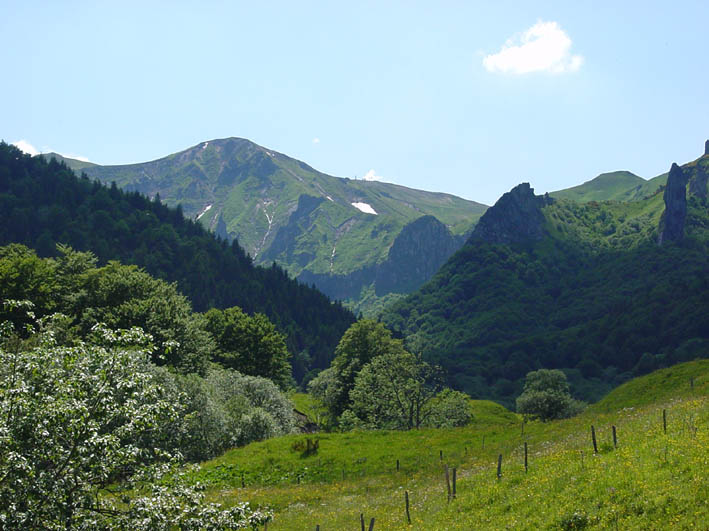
<point x="597" y="297"/>
<point x="44" y="203"/>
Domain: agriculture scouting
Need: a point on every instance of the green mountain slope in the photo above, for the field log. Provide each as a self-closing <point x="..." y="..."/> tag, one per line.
<point x="560" y="284"/>
<point x="614" y="185"/>
<point x="43" y="203"/>
<point x="280" y="209"/>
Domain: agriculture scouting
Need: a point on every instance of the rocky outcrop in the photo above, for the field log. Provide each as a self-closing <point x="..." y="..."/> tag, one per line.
<point x="672" y="221"/>
<point x="516" y="217"/>
<point x="419" y="250"/>
<point x="706" y="147"/>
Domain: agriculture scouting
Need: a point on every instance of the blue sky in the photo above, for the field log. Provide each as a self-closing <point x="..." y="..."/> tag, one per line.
<point x="468" y="98"/>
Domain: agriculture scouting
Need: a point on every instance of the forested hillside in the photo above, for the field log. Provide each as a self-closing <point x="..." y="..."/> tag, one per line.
<point x="43" y="203"/>
<point x="557" y="284"/>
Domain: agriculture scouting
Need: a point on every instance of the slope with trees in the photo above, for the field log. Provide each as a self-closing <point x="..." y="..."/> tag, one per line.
<point x="43" y="203"/>
<point x="587" y="290"/>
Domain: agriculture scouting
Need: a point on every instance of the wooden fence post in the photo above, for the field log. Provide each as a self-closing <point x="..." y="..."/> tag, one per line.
<point x="525" y="457"/>
<point x="499" y="466"/>
<point x="615" y="438"/>
<point x="664" y="420"/>
<point x="455" y="470"/>
<point x="397" y="465"/>
<point x="440" y="455"/>
<point x="361" y="520"/>
<point x="406" y="497"/>
<point x="371" y="524"/>
<point x="593" y="438"/>
<point x="448" y="483"/>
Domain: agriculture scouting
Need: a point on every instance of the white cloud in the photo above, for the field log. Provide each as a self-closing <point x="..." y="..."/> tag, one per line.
<point x="31" y="150"/>
<point x="544" y="47"/>
<point x="76" y="157"/>
<point x="26" y="147"/>
<point x="316" y="140"/>
<point x="372" y="176"/>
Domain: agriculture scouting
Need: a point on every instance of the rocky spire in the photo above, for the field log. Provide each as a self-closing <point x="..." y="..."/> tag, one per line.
<point x="516" y="217"/>
<point x="672" y="221"/>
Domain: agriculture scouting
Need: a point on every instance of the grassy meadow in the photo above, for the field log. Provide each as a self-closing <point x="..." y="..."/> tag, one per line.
<point x="652" y="480"/>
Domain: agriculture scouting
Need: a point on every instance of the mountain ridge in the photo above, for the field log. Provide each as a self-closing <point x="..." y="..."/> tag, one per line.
<point x="319" y="227"/>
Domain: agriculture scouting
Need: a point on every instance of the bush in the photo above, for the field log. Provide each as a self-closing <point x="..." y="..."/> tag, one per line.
<point x="227" y="409"/>
<point x="85" y="439"/>
<point x="546" y="396"/>
<point x="450" y="410"/>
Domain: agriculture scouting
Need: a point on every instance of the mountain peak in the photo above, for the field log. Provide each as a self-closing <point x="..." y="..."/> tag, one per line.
<point x="516" y="217"/>
<point x="706" y="147"/>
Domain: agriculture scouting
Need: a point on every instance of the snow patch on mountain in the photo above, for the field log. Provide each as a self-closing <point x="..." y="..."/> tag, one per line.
<point x="364" y="207"/>
<point x="204" y="211"/>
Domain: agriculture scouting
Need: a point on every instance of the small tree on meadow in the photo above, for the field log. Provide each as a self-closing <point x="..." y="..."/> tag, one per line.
<point x="547" y="396"/>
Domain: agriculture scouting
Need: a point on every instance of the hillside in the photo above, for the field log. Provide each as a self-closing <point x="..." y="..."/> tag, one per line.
<point x="614" y="185"/>
<point x="330" y="231"/>
<point x="43" y="203"/>
<point x="583" y="287"/>
<point x="651" y="480"/>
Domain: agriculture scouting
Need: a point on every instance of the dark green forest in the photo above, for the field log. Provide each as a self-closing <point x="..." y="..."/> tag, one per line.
<point x="43" y="203"/>
<point x="596" y="296"/>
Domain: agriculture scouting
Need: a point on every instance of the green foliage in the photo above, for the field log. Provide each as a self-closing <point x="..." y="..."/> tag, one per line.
<point x="360" y="344"/>
<point x="86" y="438"/>
<point x="395" y="391"/>
<point x="546" y="396"/>
<point x="43" y="203"/>
<point x="450" y="409"/>
<point x="592" y="298"/>
<point x="249" y="344"/>
<point x="124" y="296"/>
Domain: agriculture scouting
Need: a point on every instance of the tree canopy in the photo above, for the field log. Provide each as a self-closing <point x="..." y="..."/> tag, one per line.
<point x="546" y="396"/>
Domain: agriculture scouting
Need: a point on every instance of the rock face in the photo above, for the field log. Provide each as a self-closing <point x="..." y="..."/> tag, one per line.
<point x="419" y="250"/>
<point x="672" y="221"/>
<point x="516" y="217"/>
<point x="706" y="147"/>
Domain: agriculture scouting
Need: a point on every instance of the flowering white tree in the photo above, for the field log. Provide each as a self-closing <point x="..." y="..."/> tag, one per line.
<point x="85" y="439"/>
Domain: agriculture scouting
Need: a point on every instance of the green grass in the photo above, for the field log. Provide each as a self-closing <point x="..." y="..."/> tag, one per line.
<point x="652" y="480"/>
<point x="607" y="186"/>
<point x="679" y="381"/>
